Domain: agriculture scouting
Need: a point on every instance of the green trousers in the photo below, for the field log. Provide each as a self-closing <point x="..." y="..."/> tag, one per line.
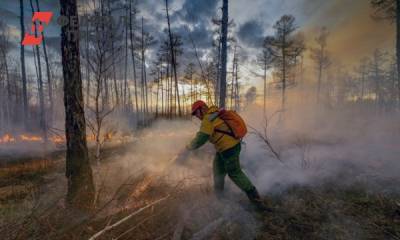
<point x="227" y="162"/>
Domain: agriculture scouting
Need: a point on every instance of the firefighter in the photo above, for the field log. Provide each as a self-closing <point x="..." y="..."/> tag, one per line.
<point x="226" y="161"/>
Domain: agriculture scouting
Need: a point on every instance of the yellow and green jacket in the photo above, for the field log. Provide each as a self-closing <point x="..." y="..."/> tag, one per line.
<point x="209" y="124"/>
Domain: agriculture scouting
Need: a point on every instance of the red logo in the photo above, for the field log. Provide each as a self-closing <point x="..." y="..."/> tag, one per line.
<point x="42" y="17"/>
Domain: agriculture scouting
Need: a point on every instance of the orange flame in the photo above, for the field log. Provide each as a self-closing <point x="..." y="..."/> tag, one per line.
<point x="7" y="138"/>
<point x="30" y="138"/>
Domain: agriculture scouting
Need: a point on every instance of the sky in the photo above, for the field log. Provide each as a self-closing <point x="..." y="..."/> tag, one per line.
<point x="353" y="32"/>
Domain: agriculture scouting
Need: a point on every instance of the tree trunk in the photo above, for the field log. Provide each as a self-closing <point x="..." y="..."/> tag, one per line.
<point x="398" y="46"/>
<point x="49" y="81"/>
<point x="117" y="100"/>
<point x="133" y="55"/>
<point x="40" y="85"/>
<point x="23" y="71"/>
<point x="224" y="53"/>
<point x="265" y="87"/>
<point x="319" y="82"/>
<point x="81" y="190"/>
<point x="237" y="95"/>
<point x="9" y="104"/>
<point x="125" y="69"/>
<point x="233" y="80"/>
<point x="87" y="65"/>
<point x="283" y="75"/>
<point x="173" y="59"/>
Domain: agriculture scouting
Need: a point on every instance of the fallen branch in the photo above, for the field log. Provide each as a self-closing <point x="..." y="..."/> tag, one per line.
<point x="108" y="228"/>
<point x="134" y="227"/>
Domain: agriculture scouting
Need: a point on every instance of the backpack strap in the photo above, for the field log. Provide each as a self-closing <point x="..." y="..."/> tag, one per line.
<point x="225" y="132"/>
<point x="214" y="116"/>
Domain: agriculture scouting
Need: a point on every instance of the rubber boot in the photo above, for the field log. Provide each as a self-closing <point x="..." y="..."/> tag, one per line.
<point x="256" y="200"/>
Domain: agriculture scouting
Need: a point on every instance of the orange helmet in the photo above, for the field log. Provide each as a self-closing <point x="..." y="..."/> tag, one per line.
<point x="196" y="105"/>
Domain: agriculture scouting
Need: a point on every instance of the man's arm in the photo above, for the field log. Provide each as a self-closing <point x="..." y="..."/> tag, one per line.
<point x="200" y="139"/>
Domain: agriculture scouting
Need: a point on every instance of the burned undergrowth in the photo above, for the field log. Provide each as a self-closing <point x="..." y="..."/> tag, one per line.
<point x="143" y="194"/>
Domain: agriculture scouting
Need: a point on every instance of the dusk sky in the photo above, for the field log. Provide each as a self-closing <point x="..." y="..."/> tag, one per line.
<point x="354" y="34"/>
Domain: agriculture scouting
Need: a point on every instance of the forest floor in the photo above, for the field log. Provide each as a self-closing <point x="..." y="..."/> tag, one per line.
<point x="32" y="206"/>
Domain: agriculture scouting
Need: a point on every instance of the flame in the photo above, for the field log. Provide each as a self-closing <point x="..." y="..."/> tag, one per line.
<point x="10" y="139"/>
<point x="31" y="138"/>
<point x="91" y="137"/>
<point x="7" y="138"/>
<point x="108" y="136"/>
<point x="57" y="139"/>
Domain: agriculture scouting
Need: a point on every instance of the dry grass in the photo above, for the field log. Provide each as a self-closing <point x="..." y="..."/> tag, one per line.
<point x="331" y="212"/>
<point x="27" y="168"/>
<point x="327" y="211"/>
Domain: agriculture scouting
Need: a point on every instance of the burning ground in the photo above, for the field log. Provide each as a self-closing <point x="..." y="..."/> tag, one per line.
<point x="329" y="184"/>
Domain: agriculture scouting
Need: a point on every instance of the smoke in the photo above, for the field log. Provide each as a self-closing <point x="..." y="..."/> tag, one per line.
<point x="344" y="145"/>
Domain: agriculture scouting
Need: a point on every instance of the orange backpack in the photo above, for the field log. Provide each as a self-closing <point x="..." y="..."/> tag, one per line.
<point x="235" y="123"/>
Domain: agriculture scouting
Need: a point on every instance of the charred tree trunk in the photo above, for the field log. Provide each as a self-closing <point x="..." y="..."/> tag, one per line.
<point x="81" y="190"/>
<point x="23" y="71"/>
<point x="224" y="53"/>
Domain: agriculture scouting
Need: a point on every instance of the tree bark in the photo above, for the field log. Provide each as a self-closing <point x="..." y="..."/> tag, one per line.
<point x="23" y="71"/>
<point x="398" y="46"/>
<point x="81" y="189"/>
<point x="224" y="53"/>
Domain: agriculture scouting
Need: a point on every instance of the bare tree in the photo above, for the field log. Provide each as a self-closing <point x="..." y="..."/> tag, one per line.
<point x="100" y="60"/>
<point x="173" y="59"/>
<point x="81" y="190"/>
<point x="390" y="10"/>
<point x="235" y="96"/>
<point x="320" y="57"/>
<point x="189" y="76"/>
